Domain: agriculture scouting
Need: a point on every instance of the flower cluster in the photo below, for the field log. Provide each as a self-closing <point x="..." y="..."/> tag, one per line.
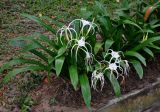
<point x="115" y="66"/>
<point x="76" y="40"/>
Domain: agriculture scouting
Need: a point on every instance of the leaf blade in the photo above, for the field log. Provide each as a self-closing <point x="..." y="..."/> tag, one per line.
<point x="59" y="64"/>
<point x="73" y="75"/>
<point x="85" y="88"/>
<point x="136" y="55"/>
<point x="14" y="72"/>
<point x="138" y="67"/>
<point x="114" y="83"/>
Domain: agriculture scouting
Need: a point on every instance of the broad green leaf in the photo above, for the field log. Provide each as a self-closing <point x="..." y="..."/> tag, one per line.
<point x="14" y="72"/>
<point x="138" y="67"/>
<point x="61" y="51"/>
<point x="132" y="23"/>
<point x="136" y="55"/>
<point x="155" y="26"/>
<point x="44" y="48"/>
<point x="154" y="46"/>
<point x="21" y="61"/>
<point x="20" y="41"/>
<point x="147" y="50"/>
<point x="47" y="40"/>
<point x="33" y="44"/>
<point x="114" y="83"/>
<point x="39" y="54"/>
<point x="40" y="22"/>
<point x="85" y="88"/>
<point x="59" y="64"/>
<point x="108" y="44"/>
<point x="29" y="47"/>
<point x="73" y="75"/>
<point x="22" y="38"/>
<point x="146" y="43"/>
<point x="97" y="47"/>
<point x="105" y="23"/>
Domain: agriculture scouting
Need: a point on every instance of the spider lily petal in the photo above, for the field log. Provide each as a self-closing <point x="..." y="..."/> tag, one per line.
<point x="68" y="32"/>
<point x="114" y="64"/>
<point x="89" y="59"/>
<point x="79" y="44"/>
<point x="114" y="55"/>
<point x="126" y="67"/>
<point x="83" y="24"/>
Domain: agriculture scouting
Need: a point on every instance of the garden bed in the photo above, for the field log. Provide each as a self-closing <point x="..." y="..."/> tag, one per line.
<point x="60" y="96"/>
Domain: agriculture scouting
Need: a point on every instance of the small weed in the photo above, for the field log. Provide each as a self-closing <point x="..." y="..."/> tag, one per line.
<point x="32" y="81"/>
<point x="25" y="103"/>
<point x="53" y="101"/>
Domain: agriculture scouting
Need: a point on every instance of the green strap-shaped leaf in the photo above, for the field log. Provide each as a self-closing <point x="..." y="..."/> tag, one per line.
<point x="138" y="67"/>
<point x="105" y="23"/>
<point x="33" y="45"/>
<point x="136" y="55"/>
<point x="108" y="44"/>
<point x="73" y="75"/>
<point x="85" y="88"/>
<point x="61" y="51"/>
<point x="44" y="48"/>
<point x="155" y="26"/>
<point x="148" y="51"/>
<point x="132" y="23"/>
<point x="40" y="22"/>
<point x="146" y="43"/>
<point x="97" y="47"/>
<point x="20" y="41"/>
<point x="114" y="83"/>
<point x="47" y="40"/>
<point x="14" y="72"/>
<point x="39" y="54"/>
<point x="59" y="64"/>
<point x="29" y="47"/>
<point x="21" y="61"/>
<point x="154" y="46"/>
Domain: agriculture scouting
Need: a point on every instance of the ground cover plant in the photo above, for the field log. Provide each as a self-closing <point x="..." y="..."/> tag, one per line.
<point x="75" y="52"/>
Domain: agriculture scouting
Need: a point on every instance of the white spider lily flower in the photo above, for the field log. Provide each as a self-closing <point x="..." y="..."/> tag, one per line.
<point x="85" y="23"/>
<point x="89" y="59"/>
<point x="95" y="77"/>
<point x="114" y="68"/>
<point x="114" y="55"/>
<point x="80" y="44"/>
<point x="67" y="32"/>
<point x="115" y="65"/>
